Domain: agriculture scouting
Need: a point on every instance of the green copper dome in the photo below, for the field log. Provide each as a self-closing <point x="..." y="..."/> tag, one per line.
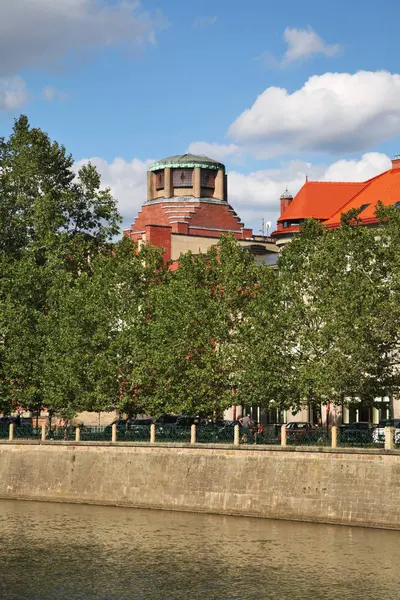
<point x="188" y="161"/>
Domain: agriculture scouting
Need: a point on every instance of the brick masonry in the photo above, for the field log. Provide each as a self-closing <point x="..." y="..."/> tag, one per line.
<point x="343" y="487"/>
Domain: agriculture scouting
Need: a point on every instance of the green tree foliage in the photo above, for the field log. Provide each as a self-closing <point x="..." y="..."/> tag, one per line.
<point x="89" y="324"/>
<point x="190" y="352"/>
<point x="53" y="221"/>
<point x="94" y="332"/>
<point x="338" y="299"/>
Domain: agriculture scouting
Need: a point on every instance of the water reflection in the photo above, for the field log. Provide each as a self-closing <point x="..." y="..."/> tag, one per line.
<point x="71" y="552"/>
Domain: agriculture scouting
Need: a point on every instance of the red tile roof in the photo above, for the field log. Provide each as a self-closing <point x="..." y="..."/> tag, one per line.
<point x="320" y="199"/>
<point x="327" y="201"/>
<point x="384" y="187"/>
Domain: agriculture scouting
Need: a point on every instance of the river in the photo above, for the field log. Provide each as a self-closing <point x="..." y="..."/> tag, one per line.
<point x="71" y="552"/>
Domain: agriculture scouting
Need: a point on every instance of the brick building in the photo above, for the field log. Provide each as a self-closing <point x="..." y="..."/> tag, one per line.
<point x="187" y="209"/>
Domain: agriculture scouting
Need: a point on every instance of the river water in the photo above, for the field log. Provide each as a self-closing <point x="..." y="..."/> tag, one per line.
<point x="71" y="552"/>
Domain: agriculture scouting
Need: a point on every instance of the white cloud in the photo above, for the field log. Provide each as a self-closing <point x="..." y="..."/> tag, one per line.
<point x="51" y="94"/>
<point x="42" y="32"/>
<point x="203" y="22"/>
<point x="334" y="112"/>
<point x="257" y="194"/>
<point x="128" y="183"/>
<point x="371" y="164"/>
<point x="13" y="92"/>
<point x="254" y="195"/>
<point x="304" y="43"/>
<point x="216" y="151"/>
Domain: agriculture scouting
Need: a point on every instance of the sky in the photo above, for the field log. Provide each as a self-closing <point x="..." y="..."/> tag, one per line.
<point x="276" y="90"/>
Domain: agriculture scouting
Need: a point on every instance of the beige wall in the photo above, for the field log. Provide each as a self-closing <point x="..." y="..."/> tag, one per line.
<point x="95" y="418"/>
<point x="344" y="487"/>
<point x="198" y="244"/>
<point x="185" y="243"/>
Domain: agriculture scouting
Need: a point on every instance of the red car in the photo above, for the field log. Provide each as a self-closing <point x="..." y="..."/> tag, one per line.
<point x="300" y="431"/>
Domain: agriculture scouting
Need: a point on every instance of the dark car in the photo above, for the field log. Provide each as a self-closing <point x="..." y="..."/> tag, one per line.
<point x="121" y="424"/>
<point x="356" y="433"/>
<point x="174" y="427"/>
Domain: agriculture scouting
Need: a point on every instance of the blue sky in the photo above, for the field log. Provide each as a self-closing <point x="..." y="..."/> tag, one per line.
<point x="122" y="83"/>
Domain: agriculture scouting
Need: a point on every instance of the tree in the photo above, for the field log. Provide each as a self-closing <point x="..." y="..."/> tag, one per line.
<point x="190" y="354"/>
<point x="53" y="222"/>
<point x="337" y="296"/>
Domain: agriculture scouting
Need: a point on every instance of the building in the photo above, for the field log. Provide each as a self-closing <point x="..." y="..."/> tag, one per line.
<point x="187" y="209"/>
<point x="327" y="200"/>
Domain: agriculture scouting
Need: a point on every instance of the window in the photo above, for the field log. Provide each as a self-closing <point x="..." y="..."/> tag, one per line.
<point x="363" y="207"/>
<point x="182" y="177"/>
<point x="397" y="204"/>
<point x="159" y="180"/>
<point x="286" y="223"/>
<point x="208" y="179"/>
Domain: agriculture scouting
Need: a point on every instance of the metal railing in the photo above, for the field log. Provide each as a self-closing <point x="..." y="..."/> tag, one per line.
<point x="336" y="437"/>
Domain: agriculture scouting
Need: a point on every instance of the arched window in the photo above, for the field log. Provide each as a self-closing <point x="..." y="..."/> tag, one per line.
<point x="182" y="177"/>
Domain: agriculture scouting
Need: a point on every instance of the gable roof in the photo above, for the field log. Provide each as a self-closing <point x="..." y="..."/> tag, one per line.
<point x="320" y="199"/>
<point x="384" y="188"/>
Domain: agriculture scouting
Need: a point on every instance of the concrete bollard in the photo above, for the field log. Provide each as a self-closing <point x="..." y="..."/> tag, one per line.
<point x="283" y="435"/>
<point x="389" y="438"/>
<point x="78" y="434"/>
<point x="236" y="434"/>
<point x="114" y="432"/>
<point x="11" y="432"/>
<point x="43" y="432"/>
<point x="193" y="434"/>
<point x="334" y="436"/>
<point x="152" y="434"/>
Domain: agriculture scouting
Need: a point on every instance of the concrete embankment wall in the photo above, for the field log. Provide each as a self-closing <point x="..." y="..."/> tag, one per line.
<point x="345" y="487"/>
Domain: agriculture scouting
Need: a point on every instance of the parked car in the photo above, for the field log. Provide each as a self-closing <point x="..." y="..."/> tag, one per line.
<point x="356" y="433"/>
<point x="378" y="434"/>
<point x="174" y="427"/>
<point x="302" y="432"/>
<point x="120" y="423"/>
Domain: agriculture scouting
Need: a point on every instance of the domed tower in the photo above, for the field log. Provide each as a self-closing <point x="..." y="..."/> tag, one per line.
<point x="187" y="208"/>
<point x="188" y="176"/>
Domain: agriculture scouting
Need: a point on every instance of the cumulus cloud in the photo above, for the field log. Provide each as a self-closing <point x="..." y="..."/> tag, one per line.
<point x="334" y="112"/>
<point x="216" y="151"/>
<point x="304" y="43"/>
<point x="127" y="180"/>
<point x="13" y="92"/>
<point x="254" y="195"/>
<point x="42" y="32"/>
<point x="203" y="22"/>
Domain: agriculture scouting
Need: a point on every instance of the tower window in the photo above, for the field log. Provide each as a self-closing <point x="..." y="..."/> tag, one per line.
<point x="208" y="179"/>
<point x="159" y="180"/>
<point x="182" y="177"/>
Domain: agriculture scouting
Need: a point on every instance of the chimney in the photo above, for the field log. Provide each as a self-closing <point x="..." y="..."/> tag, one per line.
<point x="396" y="162"/>
<point x="286" y="199"/>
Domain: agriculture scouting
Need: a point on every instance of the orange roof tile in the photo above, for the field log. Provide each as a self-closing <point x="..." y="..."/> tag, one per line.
<point x="384" y="187"/>
<point x="320" y="199"/>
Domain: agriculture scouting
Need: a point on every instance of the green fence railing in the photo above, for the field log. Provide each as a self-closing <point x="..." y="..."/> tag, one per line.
<point x="347" y="437"/>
